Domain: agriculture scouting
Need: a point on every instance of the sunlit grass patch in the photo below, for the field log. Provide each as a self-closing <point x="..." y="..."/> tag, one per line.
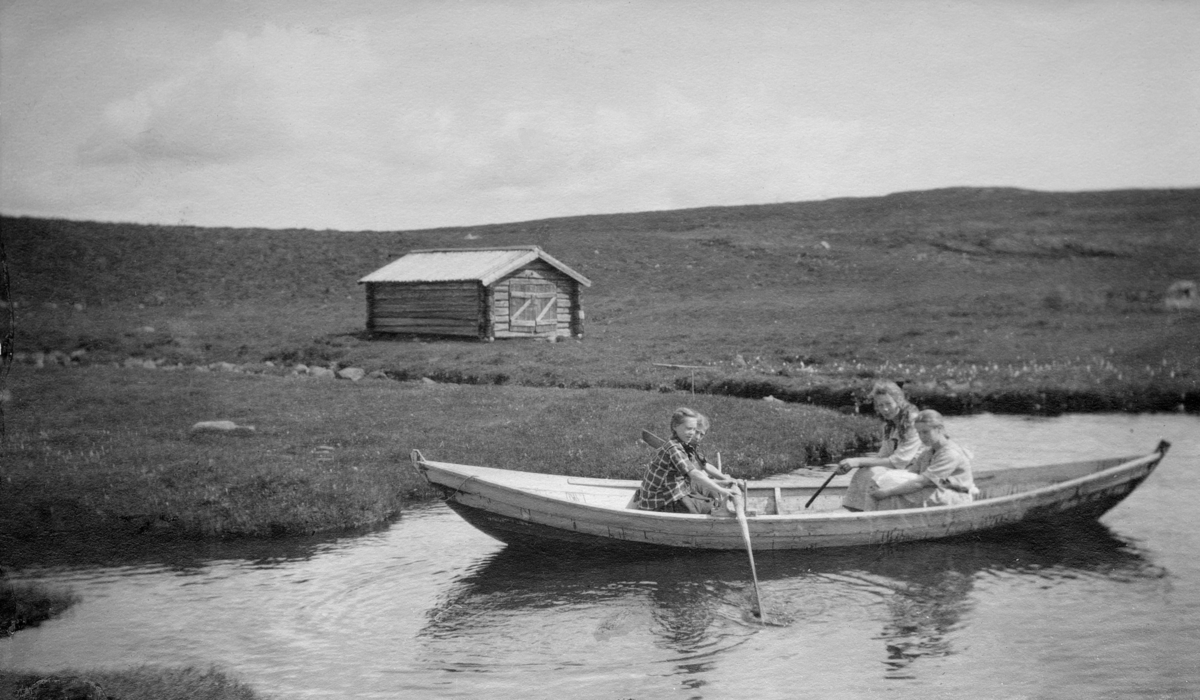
<point x="108" y="449"/>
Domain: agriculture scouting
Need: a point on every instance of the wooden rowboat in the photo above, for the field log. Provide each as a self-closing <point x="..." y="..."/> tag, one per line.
<point x="525" y="508"/>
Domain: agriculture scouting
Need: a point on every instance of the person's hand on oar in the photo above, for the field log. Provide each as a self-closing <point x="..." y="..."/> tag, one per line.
<point x="717" y="491"/>
<point x="720" y="477"/>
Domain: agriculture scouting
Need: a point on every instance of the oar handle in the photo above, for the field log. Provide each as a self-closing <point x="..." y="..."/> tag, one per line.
<point x="652" y="440"/>
<point x="818" y="491"/>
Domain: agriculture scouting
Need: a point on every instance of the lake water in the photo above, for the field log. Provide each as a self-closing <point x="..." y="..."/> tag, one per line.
<point x="432" y="608"/>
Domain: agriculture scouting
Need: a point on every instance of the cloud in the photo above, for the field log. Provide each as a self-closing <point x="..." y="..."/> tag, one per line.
<point x="249" y="96"/>
<point x="429" y="114"/>
<point x="288" y="123"/>
<point x="669" y="153"/>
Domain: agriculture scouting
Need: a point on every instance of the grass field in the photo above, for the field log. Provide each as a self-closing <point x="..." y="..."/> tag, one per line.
<point x="107" y="449"/>
<point x="998" y="299"/>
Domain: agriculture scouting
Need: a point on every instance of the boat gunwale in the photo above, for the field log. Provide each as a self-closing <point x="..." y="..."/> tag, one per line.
<point x="1000" y="502"/>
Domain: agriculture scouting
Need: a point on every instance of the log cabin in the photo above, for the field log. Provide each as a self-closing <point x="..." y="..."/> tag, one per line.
<point x="485" y="293"/>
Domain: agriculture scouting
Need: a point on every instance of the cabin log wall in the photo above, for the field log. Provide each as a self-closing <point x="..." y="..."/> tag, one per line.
<point x="443" y="308"/>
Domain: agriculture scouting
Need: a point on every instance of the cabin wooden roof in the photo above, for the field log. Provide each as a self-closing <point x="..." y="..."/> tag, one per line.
<point x="460" y="264"/>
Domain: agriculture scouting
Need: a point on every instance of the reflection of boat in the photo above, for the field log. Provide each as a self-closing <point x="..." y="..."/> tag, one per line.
<point x="513" y="578"/>
<point x="927" y="587"/>
<point x="536" y="509"/>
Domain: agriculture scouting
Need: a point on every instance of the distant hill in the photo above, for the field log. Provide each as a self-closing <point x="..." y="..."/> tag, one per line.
<point x="68" y="261"/>
<point x="1023" y="287"/>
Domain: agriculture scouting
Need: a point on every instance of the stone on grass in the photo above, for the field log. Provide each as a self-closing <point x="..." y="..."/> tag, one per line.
<point x="1182" y="295"/>
<point x="321" y="373"/>
<point x="352" y="373"/>
<point x="221" y="427"/>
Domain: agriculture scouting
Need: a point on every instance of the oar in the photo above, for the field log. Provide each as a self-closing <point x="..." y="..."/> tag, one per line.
<point x="739" y="505"/>
<point x="818" y="491"/>
<point x="651" y="439"/>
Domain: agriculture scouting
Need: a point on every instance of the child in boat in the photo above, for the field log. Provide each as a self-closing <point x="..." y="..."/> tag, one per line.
<point x="899" y="447"/>
<point x="676" y="480"/>
<point x="939" y="476"/>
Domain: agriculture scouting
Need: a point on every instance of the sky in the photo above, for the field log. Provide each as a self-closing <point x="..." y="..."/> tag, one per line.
<point x="397" y="114"/>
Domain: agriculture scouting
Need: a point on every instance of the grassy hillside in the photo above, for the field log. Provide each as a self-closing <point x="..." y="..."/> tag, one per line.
<point x="963" y="292"/>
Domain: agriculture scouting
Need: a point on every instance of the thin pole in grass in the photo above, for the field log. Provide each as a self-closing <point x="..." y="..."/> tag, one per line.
<point x="8" y="334"/>
<point x="693" y="368"/>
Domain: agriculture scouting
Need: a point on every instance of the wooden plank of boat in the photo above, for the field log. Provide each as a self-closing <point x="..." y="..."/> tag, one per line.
<point x="530" y="508"/>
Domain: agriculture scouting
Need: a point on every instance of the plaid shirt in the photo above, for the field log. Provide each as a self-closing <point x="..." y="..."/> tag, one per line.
<point x="666" y="479"/>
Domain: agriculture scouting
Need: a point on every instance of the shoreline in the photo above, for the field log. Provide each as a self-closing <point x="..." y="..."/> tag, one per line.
<point x="59" y="515"/>
<point x="834" y="390"/>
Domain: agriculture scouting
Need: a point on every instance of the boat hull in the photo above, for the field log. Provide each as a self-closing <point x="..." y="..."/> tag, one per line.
<point x="537" y="510"/>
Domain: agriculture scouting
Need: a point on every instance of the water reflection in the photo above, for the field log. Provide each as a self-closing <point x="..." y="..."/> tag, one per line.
<point x="177" y="555"/>
<point x="698" y="604"/>
<point x="928" y="587"/>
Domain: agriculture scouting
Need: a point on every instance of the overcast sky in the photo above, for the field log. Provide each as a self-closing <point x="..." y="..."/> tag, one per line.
<point x="394" y="114"/>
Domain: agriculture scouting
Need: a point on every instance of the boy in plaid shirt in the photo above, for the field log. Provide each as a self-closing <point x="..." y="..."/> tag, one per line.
<point x="677" y="479"/>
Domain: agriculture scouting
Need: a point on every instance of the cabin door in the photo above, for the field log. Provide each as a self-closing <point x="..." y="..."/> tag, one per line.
<point x="533" y="307"/>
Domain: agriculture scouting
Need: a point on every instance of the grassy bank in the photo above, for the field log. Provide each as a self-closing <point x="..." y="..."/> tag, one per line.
<point x="142" y="683"/>
<point x="108" y="450"/>
<point x="27" y="605"/>
<point x="1006" y="300"/>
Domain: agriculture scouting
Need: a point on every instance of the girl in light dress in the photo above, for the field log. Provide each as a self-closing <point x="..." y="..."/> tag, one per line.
<point x="939" y="476"/>
<point x="899" y="447"/>
<point x="918" y="465"/>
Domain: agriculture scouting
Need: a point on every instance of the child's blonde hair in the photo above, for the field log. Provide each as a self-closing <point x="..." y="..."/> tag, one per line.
<point x="931" y="418"/>
<point x="681" y="414"/>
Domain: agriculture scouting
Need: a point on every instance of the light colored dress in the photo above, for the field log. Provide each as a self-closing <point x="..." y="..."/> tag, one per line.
<point x="948" y="466"/>
<point x="900" y="445"/>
